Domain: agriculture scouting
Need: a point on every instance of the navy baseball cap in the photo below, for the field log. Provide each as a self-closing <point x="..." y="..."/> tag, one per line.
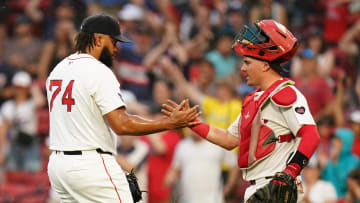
<point x="103" y="24"/>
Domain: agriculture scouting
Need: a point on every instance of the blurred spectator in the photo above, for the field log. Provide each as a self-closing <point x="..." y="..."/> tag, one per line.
<point x="202" y="75"/>
<point x="223" y="58"/>
<point x="341" y="161"/>
<point x="315" y="88"/>
<point x="109" y="6"/>
<point x="19" y="114"/>
<point x="63" y="10"/>
<point x="355" y="93"/>
<point x="3" y="40"/>
<point x="33" y="8"/>
<point x="197" y="168"/>
<point x="269" y="9"/>
<point x="202" y="25"/>
<point x="169" y="45"/>
<point x="128" y="65"/>
<point x="23" y="50"/>
<point x="317" y="190"/>
<point x="336" y="20"/>
<point x="130" y="15"/>
<point x="355" y="127"/>
<point x="161" y="93"/>
<point x="195" y="50"/>
<point x="6" y="72"/>
<point x="353" y="183"/>
<point x="133" y="105"/>
<point x="132" y="155"/>
<point x="302" y="14"/>
<point x="236" y="17"/>
<point x="349" y="44"/>
<point x="324" y="55"/>
<point x="162" y="148"/>
<point x="58" y="48"/>
<point x="3" y="148"/>
<point x="325" y="125"/>
<point x="220" y="109"/>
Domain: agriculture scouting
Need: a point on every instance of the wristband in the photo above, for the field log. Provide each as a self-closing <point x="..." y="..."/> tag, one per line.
<point x="292" y="169"/>
<point x="201" y="129"/>
<point x="300" y="159"/>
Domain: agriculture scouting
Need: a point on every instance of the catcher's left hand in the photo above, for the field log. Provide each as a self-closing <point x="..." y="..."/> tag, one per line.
<point x="281" y="189"/>
<point x="134" y="186"/>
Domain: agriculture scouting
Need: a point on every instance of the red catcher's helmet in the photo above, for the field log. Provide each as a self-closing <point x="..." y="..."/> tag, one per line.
<point x="268" y="41"/>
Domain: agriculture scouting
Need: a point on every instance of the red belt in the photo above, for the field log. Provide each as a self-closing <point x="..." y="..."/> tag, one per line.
<point x="285" y="138"/>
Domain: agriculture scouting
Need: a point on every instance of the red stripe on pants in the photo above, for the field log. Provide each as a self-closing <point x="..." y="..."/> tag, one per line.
<point x="110" y="178"/>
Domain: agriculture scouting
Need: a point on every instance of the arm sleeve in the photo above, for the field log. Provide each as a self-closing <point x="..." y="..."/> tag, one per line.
<point x="233" y="129"/>
<point x="106" y="92"/>
<point x="309" y="140"/>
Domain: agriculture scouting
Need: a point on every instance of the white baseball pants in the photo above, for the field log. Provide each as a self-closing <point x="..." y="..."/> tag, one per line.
<point x="89" y="177"/>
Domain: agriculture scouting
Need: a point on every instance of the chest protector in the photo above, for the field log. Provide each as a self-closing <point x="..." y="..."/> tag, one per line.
<point x="266" y="140"/>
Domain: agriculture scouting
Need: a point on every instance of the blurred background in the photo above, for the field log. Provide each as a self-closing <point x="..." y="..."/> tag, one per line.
<point x="182" y="49"/>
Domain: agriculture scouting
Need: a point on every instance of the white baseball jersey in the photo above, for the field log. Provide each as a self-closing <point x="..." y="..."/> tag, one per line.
<point x="282" y="121"/>
<point x="200" y="165"/>
<point x="80" y="91"/>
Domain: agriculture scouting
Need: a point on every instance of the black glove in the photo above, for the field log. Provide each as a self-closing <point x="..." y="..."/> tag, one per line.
<point x="134" y="186"/>
<point x="281" y="189"/>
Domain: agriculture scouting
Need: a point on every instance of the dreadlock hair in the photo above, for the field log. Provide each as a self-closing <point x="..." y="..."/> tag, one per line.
<point x="83" y="41"/>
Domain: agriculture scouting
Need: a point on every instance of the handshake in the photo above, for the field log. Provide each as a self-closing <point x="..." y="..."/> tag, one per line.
<point x="181" y="115"/>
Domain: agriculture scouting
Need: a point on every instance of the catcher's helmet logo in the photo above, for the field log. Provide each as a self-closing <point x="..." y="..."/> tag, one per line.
<point x="300" y="110"/>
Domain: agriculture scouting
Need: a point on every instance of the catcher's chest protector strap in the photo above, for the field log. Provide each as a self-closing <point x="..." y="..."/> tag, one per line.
<point x="265" y="141"/>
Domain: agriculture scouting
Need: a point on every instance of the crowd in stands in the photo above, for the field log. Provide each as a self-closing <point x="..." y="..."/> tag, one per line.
<point x="182" y="49"/>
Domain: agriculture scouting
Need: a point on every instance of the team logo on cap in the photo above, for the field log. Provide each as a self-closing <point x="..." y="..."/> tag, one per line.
<point x="300" y="110"/>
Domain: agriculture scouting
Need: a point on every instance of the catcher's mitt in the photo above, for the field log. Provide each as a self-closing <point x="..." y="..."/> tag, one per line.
<point x="281" y="189"/>
<point x="134" y="186"/>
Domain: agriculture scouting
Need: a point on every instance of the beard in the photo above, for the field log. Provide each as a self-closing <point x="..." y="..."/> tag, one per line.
<point x="106" y="57"/>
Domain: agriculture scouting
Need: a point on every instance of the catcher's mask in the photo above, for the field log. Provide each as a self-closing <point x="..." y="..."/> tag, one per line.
<point x="268" y="40"/>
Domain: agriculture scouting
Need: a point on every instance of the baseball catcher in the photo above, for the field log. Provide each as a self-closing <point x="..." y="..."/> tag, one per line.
<point x="275" y="131"/>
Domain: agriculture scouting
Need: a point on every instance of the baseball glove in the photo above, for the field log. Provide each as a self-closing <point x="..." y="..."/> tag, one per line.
<point x="134" y="186"/>
<point x="281" y="189"/>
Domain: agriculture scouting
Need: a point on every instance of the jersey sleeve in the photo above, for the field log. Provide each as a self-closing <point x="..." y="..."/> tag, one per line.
<point x="298" y="114"/>
<point x="234" y="127"/>
<point x="106" y="92"/>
